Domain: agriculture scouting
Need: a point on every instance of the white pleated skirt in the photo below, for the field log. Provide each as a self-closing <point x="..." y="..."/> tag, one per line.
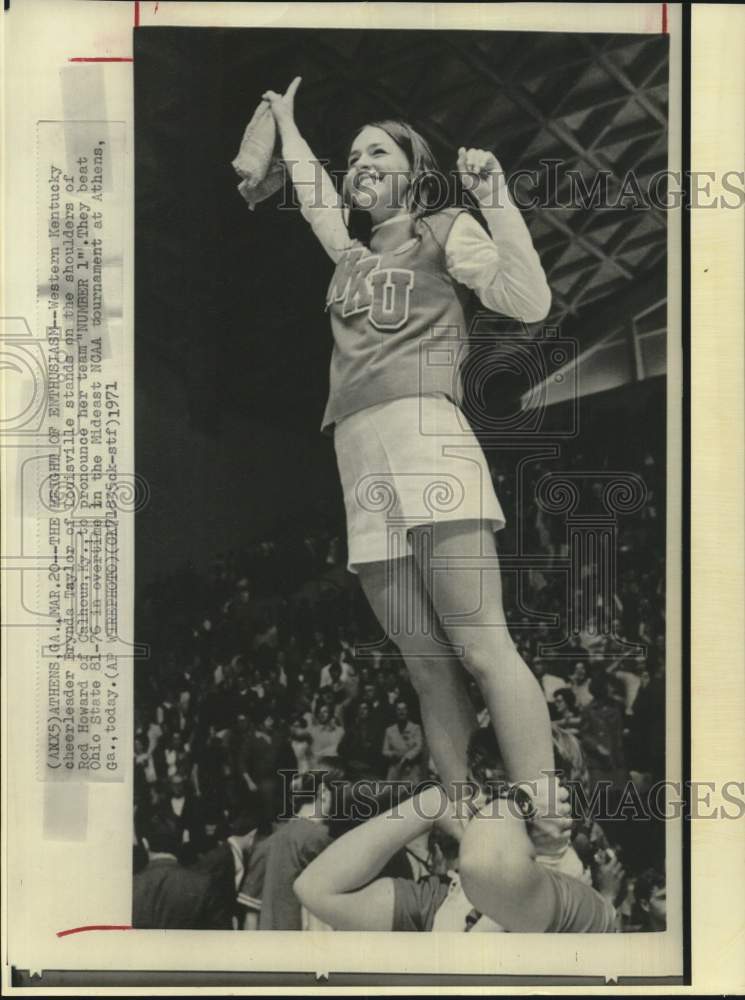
<point x="409" y="462"/>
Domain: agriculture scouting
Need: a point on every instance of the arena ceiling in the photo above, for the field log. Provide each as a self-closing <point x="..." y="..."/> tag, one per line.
<point x="592" y="105"/>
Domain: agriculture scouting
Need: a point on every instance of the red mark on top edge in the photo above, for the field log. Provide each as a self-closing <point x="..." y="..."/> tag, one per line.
<point x="101" y="59"/>
<point x="137" y="13"/>
<point x="664" y="19"/>
<point x="95" y="927"/>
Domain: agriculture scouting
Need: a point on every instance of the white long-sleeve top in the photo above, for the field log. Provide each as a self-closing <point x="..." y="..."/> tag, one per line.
<point x="504" y="271"/>
<point x="390" y="306"/>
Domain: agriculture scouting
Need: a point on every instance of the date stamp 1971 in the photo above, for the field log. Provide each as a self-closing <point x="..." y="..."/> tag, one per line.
<point x="73" y="490"/>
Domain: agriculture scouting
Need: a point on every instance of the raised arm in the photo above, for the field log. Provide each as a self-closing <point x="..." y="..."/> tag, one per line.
<point x="331" y="886"/>
<point x="319" y="200"/>
<point x="504" y="271"/>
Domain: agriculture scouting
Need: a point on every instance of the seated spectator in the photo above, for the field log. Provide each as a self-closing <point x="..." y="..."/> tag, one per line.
<point x="301" y="741"/>
<point x="565" y="706"/>
<point x="338" y="673"/>
<point x="334" y="701"/>
<point x="336" y="683"/>
<point x="404" y="748"/>
<point x="325" y="734"/>
<point x="378" y="710"/>
<point x="360" y="749"/>
<point x="144" y="768"/>
<point x="168" y="896"/>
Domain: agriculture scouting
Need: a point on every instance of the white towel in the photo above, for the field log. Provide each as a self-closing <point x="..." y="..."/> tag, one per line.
<point x="257" y="163"/>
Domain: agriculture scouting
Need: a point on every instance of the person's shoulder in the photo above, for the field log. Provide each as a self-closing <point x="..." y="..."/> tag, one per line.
<point x="302" y="828"/>
<point x="441" y="222"/>
<point x="262" y="849"/>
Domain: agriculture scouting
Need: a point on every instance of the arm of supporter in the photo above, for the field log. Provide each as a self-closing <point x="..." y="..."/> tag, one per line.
<point x="340" y="886"/>
<point x="499" y="872"/>
<point x="504" y="271"/>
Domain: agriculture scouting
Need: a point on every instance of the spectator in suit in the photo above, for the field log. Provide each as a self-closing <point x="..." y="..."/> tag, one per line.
<point x="168" y="896"/>
<point x="182" y="807"/>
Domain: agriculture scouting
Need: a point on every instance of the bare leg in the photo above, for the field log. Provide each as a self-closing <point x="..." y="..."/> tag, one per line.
<point x="402" y="606"/>
<point x="468" y="602"/>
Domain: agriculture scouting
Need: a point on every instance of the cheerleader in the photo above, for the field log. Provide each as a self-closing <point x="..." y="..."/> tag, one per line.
<point x="405" y="268"/>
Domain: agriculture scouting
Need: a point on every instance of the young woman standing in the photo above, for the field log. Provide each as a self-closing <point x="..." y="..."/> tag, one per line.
<point x="405" y="268"/>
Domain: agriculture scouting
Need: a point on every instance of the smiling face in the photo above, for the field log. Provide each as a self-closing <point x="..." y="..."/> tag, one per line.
<point x="377" y="173"/>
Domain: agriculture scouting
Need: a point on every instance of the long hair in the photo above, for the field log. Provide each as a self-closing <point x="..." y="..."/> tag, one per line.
<point x="429" y="190"/>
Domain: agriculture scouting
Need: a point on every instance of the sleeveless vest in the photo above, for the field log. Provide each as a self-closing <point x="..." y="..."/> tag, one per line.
<point x="398" y="320"/>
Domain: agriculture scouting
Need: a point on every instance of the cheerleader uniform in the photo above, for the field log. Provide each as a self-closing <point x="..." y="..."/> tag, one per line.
<point x="405" y="451"/>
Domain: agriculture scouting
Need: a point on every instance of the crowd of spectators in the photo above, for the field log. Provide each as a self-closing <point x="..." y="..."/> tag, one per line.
<point x="269" y="666"/>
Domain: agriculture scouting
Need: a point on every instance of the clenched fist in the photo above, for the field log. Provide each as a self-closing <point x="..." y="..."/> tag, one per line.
<point x="481" y="174"/>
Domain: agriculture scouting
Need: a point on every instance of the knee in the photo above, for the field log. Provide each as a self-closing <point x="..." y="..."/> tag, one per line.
<point x="425" y="670"/>
<point x="483" y="659"/>
<point x="494" y="850"/>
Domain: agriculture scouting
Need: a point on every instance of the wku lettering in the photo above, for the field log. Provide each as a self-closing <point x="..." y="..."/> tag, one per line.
<point x="362" y="286"/>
